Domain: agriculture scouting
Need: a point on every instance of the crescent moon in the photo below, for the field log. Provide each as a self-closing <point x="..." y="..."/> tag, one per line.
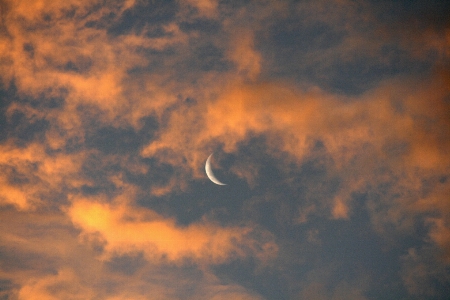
<point x="210" y="173"/>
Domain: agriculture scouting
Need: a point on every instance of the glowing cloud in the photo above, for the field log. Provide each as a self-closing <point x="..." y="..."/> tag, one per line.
<point x="125" y="230"/>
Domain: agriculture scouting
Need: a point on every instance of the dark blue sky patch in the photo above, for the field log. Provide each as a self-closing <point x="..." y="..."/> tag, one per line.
<point x="181" y="280"/>
<point x="111" y="140"/>
<point x="205" y="26"/>
<point x="158" y="175"/>
<point x="203" y="198"/>
<point x="98" y="172"/>
<point x="187" y="62"/>
<point x="29" y="49"/>
<point x="127" y="264"/>
<point x="208" y="58"/>
<point x="265" y="281"/>
<point x="291" y="35"/>
<point x="105" y="21"/>
<point x="6" y="286"/>
<point x="398" y="233"/>
<point x="50" y="98"/>
<point x="6" y="98"/>
<point x="90" y="190"/>
<point x="26" y="130"/>
<point x="352" y="77"/>
<point x="19" y="260"/>
<point x="354" y="244"/>
<point x="346" y="249"/>
<point x="423" y="276"/>
<point x="81" y="64"/>
<point x="17" y="178"/>
<point x="143" y="14"/>
<point x="303" y="49"/>
<point x="433" y="13"/>
<point x="149" y="126"/>
<point x="158" y="61"/>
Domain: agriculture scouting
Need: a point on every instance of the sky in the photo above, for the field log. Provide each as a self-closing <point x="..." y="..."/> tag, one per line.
<point x="329" y="122"/>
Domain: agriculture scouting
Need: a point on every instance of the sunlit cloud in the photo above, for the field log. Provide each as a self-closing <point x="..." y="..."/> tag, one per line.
<point x="30" y="175"/>
<point x="127" y="230"/>
<point x="329" y="120"/>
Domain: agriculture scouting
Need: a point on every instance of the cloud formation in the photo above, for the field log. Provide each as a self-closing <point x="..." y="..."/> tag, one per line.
<point x="330" y="121"/>
<point x="127" y="230"/>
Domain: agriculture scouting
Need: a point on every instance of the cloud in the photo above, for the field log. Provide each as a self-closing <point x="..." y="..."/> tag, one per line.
<point x="380" y="146"/>
<point x="330" y="112"/>
<point x="44" y="256"/>
<point x="30" y="174"/>
<point x="317" y="286"/>
<point x="242" y="52"/>
<point x="206" y="8"/>
<point x="52" y="51"/>
<point x="62" y="285"/>
<point x="126" y="229"/>
<point x="300" y="117"/>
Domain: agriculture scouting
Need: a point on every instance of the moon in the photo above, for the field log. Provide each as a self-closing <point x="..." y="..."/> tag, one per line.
<point x="210" y="173"/>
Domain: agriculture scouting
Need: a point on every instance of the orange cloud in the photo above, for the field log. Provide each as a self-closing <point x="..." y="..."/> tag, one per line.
<point x="395" y="135"/>
<point x="44" y="258"/>
<point x="242" y="52"/>
<point x="440" y="234"/>
<point x="340" y="209"/>
<point x="29" y="173"/>
<point x="239" y="111"/>
<point x="207" y="8"/>
<point x="50" y="52"/>
<point x="62" y="285"/>
<point x="390" y="127"/>
<point x="126" y="229"/>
